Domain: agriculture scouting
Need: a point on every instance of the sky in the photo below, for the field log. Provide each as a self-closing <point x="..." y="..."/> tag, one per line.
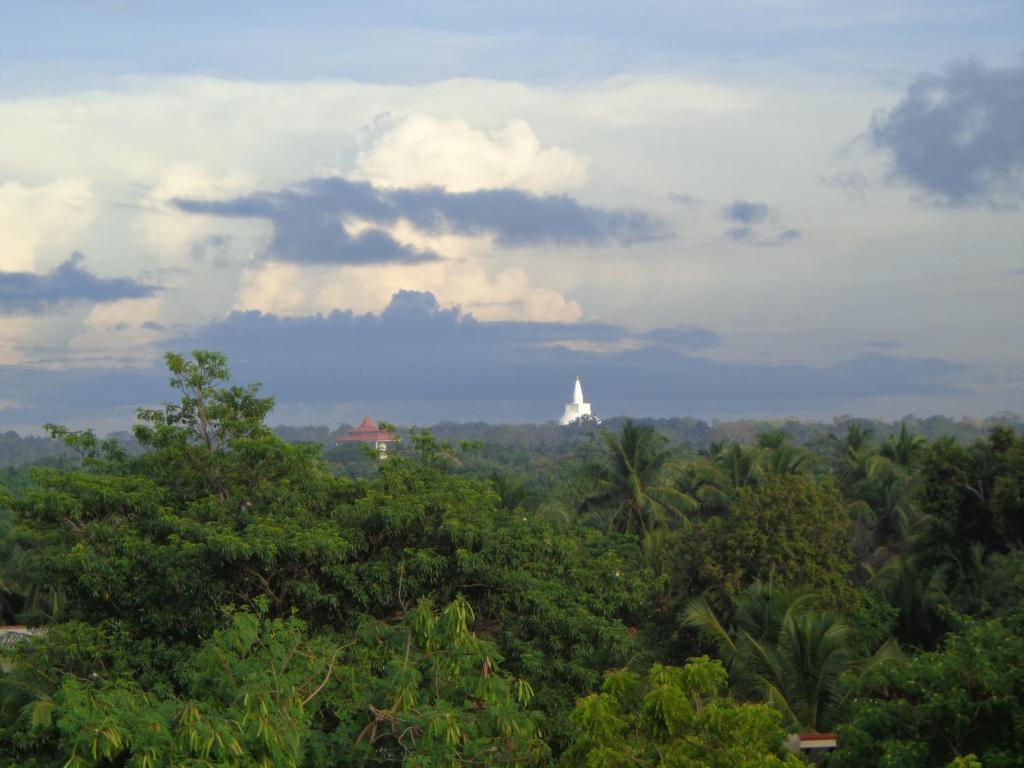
<point x="446" y="211"/>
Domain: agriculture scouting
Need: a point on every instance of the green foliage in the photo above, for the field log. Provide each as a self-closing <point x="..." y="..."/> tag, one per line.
<point x="143" y="551"/>
<point x="215" y="595"/>
<point x="247" y="697"/>
<point x="920" y="595"/>
<point x="631" y="482"/>
<point x="789" y="528"/>
<point x="260" y="693"/>
<point x="674" y="716"/>
<point x="784" y="650"/>
<point x="971" y="495"/>
<point x="438" y="698"/>
<point x="965" y="699"/>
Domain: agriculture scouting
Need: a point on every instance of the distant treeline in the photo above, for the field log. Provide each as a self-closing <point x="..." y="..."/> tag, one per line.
<point x="551" y="439"/>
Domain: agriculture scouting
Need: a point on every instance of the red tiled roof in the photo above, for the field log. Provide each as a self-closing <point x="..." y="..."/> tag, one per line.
<point x="366" y="432"/>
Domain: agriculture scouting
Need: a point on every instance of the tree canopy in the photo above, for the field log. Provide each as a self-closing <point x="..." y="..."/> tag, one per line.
<point x="208" y="593"/>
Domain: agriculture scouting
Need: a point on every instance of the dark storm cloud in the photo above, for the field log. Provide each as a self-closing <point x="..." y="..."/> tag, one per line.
<point x="419" y="363"/>
<point x="308" y="220"/>
<point x="29" y="293"/>
<point x="447" y="356"/>
<point x="960" y="135"/>
<point x="745" y="212"/>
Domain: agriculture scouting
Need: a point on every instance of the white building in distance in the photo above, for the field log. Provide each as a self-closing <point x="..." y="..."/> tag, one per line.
<point x="577" y="410"/>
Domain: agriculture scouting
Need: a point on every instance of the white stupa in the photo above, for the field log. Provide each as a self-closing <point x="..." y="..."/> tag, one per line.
<point x="577" y="410"/>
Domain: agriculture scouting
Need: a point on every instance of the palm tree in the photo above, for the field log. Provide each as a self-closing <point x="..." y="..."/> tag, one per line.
<point x="783" y="459"/>
<point x="784" y="650"/>
<point x="857" y="437"/>
<point x="713" y="449"/>
<point x="739" y="465"/>
<point x="704" y="481"/>
<point x="903" y="449"/>
<point x="727" y="467"/>
<point x="892" y="499"/>
<point x="921" y="595"/>
<point x="773" y="438"/>
<point x="631" y="481"/>
<point x="513" y="495"/>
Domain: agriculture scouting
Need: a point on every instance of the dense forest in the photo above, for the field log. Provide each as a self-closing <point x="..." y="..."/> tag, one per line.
<point x="212" y="592"/>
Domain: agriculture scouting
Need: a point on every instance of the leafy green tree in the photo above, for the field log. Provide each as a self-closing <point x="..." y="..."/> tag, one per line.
<point x="144" y="551"/>
<point x="789" y="528"/>
<point x="438" y="699"/>
<point x="260" y="692"/>
<point x="632" y="481"/>
<point x="969" y="496"/>
<point x="1002" y="585"/>
<point x="965" y="699"/>
<point x="784" y="650"/>
<point x="674" y="716"/>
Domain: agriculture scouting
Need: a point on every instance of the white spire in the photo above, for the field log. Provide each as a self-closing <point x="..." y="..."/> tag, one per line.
<point x="577" y="393"/>
<point x="578" y="409"/>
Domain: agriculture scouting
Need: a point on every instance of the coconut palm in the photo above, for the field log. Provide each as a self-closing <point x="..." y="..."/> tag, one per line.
<point x="892" y="499"/>
<point x="632" y="481"/>
<point x="513" y="495"/>
<point x="903" y="449"/>
<point x="922" y="596"/>
<point x="739" y="465"/>
<point x="857" y="437"/>
<point x="773" y="438"/>
<point x="782" y="459"/>
<point x="783" y="649"/>
<point x="705" y="481"/>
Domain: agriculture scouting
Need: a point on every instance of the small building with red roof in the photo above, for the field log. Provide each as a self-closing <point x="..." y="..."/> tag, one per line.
<point x="368" y="432"/>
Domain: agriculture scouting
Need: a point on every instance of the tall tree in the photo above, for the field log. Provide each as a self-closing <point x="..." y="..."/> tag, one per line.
<point x="783" y="649"/>
<point x="789" y="526"/>
<point x="632" y="481"/>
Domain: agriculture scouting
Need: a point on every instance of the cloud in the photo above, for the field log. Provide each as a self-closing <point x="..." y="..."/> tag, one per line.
<point x="959" y="136"/>
<point x="421" y="150"/>
<point x="685" y="200"/>
<point x="211" y="249"/>
<point x="782" y="238"/>
<point x="29" y="293"/>
<point x="457" y="366"/>
<point x="312" y="220"/>
<point x="746" y="212"/>
<point x="453" y="366"/>
<point x="749" y="219"/>
<point x="48" y="217"/>
<point x="853" y="184"/>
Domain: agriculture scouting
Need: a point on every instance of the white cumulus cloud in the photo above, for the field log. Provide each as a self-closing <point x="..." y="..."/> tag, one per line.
<point x="420" y="149"/>
<point x="49" y="217"/>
